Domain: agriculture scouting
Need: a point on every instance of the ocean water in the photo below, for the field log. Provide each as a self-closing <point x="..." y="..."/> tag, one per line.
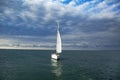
<point x="74" y="65"/>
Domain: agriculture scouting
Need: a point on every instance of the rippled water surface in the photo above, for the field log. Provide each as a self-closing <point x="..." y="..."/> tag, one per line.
<point x="74" y="65"/>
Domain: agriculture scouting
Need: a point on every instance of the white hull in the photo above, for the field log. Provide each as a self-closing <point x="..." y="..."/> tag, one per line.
<point x="55" y="56"/>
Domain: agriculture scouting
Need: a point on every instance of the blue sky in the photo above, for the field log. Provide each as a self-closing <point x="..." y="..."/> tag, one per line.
<point x="84" y="24"/>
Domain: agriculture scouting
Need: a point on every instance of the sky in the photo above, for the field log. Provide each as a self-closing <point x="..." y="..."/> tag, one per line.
<point x="84" y="24"/>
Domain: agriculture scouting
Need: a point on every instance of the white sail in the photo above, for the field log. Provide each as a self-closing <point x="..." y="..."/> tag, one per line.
<point x="58" y="43"/>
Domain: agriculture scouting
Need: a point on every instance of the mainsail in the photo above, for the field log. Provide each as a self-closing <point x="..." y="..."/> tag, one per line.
<point x="58" y="43"/>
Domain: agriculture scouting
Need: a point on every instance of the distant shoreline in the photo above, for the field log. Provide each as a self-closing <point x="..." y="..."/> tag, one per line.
<point x="25" y="48"/>
<point x="29" y="48"/>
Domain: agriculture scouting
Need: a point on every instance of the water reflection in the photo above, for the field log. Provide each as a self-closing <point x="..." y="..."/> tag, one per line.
<point x="57" y="70"/>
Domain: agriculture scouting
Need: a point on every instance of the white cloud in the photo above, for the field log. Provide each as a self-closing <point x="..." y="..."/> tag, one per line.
<point x="51" y="10"/>
<point x="32" y="2"/>
<point x="72" y="3"/>
<point x="10" y="13"/>
<point x="3" y="41"/>
<point x="103" y="11"/>
<point x="69" y="22"/>
<point x="74" y="19"/>
<point x="22" y="42"/>
<point x="26" y="15"/>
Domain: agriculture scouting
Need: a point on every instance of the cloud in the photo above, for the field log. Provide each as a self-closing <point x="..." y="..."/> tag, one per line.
<point x="103" y="11"/>
<point x="29" y="15"/>
<point x="23" y="42"/>
<point x="31" y="2"/>
<point x="52" y="10"/>
<point x="108" y="39"/>
<point x="8" y="13"/>
<point x="82" y="24"/>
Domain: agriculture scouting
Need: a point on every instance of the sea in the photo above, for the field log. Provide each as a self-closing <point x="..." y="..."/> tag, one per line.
<point x="73" y="65"/>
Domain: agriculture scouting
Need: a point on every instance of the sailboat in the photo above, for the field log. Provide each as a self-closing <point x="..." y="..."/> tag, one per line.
<point x="58" y="45"/>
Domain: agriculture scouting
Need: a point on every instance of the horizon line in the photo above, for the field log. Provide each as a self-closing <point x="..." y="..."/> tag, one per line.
<point x="28" y="48"/>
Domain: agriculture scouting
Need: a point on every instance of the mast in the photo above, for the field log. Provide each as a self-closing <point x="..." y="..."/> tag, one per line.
<point x="58" y="43"/>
